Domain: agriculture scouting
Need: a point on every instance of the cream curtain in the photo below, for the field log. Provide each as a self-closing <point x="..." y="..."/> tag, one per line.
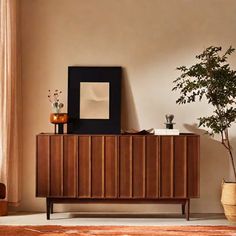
<point x="10" y="100"/>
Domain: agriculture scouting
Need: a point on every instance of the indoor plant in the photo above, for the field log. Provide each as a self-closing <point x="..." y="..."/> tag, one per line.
<point x="213" y="79"/>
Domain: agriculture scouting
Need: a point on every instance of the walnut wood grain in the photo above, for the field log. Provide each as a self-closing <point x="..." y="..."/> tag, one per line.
<point x="125" y="167"/>
<point x="152" y="167"/>
<point x="111" y="167"/>
<point x="42" y="165"/>
<point x="138" y="166"/>
<point x="166" y="167"/>
<point x="97" y="171"/>
<point x="84" y="167"/>
<point x="116" y="166"/>
<point x="180" y="167"/>
<point x="70" y="164"/>
<point x="56" y="166"/>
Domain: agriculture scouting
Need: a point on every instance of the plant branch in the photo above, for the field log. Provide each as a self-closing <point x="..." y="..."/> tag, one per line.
<point x="212" y="78"/>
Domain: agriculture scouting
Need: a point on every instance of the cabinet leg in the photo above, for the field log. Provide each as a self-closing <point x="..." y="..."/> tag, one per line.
<point x="183" y="208"/>
<point x="48" y="203"/>
<point x="51" y="207"/>
<point x="188" y="209"/>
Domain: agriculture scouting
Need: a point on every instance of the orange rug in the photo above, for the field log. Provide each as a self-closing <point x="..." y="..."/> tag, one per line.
<point x="55" y="230"/>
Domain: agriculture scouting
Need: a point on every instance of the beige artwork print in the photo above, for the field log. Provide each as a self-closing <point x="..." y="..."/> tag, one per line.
<point x="94" y="100"/>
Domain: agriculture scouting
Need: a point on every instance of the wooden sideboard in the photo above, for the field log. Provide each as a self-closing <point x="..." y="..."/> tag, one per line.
<point x="117" y="169"/>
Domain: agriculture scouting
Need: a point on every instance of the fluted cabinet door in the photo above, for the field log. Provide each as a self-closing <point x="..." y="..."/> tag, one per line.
<point x="138" y="166"/>
<point x="84" y="167"/>
<point x="180" y="167"/>
<point x="56" y="166"/>
<point x="173" y="167"/>
<point x="98" y="167"/>
<point x="97" y="170"/>
<point x="111" y="166"/>
<point x="166" y="166"/>
<point x="152" y="166"/>
<point x="70" y="166"/>
<point x="125" y="167"/>
<point x="42" y="165"/>
<point x="117" y="166"/>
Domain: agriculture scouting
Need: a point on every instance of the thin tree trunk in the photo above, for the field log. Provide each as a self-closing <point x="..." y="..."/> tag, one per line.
<point x="232" y="162"/>
<point x="229" y="148"/>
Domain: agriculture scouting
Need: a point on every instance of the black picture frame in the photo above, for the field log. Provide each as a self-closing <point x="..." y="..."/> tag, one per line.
<point x="78" y="74"/>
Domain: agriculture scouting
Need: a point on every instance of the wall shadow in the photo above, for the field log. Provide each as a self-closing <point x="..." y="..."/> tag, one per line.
<point x="129" y="117"/>
<point x="212" y="155"/>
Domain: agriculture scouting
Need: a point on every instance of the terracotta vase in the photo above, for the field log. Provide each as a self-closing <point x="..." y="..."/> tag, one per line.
<point x="58" y="118"/>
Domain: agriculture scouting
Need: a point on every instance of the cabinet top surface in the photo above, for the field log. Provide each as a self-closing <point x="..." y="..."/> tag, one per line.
<point x="123" y="135"/>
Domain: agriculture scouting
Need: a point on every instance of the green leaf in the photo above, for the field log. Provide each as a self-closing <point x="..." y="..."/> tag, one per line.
<point x="211" y="77"/>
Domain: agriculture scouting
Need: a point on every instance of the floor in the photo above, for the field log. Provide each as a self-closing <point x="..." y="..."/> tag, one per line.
<point x="97" y="219"/>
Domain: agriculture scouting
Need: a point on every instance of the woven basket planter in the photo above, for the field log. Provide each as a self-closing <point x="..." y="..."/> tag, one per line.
<point x="228" y="200"/>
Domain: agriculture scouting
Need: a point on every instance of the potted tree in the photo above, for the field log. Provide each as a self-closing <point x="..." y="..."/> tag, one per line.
<point x="213" y="79"/>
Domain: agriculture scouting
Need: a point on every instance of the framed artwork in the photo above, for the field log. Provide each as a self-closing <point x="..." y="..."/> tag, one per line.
<point x="94" y="100"/>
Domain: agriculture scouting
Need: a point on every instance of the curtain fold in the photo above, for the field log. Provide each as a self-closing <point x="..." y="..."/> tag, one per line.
<point x="10" y="99"/>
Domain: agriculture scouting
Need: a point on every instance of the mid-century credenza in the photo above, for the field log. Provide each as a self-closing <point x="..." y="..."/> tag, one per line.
<point x="117" y="169"/>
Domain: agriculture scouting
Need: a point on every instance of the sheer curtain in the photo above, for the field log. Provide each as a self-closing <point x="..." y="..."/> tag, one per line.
<point x="10" y="99"/>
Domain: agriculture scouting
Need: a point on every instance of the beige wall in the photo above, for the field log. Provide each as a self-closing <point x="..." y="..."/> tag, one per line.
<point x="149" y="38"/>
